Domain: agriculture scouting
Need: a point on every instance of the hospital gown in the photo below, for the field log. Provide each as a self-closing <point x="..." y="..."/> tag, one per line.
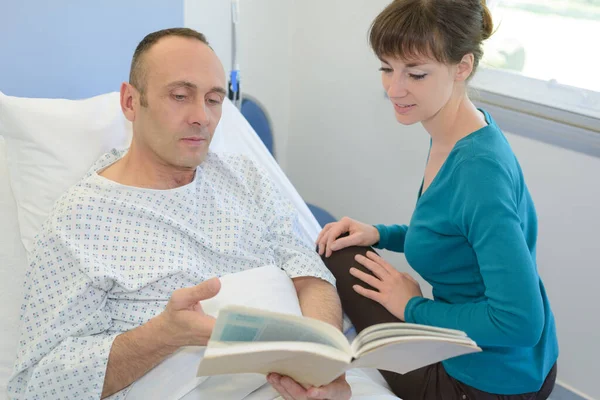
<point x="110" y="256"/>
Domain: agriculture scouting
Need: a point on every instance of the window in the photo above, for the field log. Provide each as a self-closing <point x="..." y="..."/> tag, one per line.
<point x="545" y="52"/>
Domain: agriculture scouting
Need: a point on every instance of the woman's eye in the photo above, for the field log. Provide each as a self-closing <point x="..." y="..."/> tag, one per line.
<point x="417" y="77"/>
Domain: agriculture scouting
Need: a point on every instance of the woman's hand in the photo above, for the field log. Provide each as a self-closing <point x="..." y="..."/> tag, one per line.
<point x="394" y="289"/>
<point x="359" y="235"/>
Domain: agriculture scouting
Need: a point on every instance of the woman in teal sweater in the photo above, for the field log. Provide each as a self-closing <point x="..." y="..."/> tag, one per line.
<point x="473" y="232"/>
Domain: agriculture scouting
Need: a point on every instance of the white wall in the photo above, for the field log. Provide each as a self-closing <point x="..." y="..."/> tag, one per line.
<point x="264" y="52"/>
<point x="265" y="57"/>
<point x="213" y="19"/>
<point x="347" y="153"/>
<point x="564" y="185"/>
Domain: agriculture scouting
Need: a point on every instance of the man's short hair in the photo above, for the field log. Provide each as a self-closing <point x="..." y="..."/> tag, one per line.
<point x="137" y="73"/>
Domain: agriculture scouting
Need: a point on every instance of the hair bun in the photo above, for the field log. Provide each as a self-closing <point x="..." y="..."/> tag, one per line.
<point x="487" y="21"/>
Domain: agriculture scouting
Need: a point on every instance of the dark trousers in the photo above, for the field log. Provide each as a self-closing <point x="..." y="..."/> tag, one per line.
<point x="430" y="382"/>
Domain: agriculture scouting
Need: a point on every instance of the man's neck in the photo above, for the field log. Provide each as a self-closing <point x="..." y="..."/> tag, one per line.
<point x="145" y="170"/>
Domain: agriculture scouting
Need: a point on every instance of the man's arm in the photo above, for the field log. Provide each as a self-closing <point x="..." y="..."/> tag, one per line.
<point x="183" y="323"/>
<point x="66" y="347"/>
<point x="293" y="252"/>
<point x="133" y="354"/>
<point x="319" y="299"/>
<point x="314" y="283"/>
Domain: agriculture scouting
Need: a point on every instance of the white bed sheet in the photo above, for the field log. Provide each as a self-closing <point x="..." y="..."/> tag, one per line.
<point x="12" y="274"/>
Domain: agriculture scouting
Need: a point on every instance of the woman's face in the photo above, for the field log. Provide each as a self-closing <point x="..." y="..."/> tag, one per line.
<point x="418" y="89"/>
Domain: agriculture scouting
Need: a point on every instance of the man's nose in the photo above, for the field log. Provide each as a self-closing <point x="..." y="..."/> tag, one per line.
<point x="200" y="115"/>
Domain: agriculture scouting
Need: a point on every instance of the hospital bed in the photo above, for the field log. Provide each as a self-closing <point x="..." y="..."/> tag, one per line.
<point x="46" y="145"/>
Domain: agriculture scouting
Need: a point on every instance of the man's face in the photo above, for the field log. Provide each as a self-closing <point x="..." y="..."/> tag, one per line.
<point x="184" y="91"/>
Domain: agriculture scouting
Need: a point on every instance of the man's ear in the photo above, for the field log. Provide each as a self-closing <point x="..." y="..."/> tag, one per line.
<point x="465" y="68"/>
<point x="128" y="96"/>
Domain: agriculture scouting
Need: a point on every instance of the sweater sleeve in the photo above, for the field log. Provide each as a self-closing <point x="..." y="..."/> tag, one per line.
<point x="484" y="207"/>
<point x="391" y="237"/>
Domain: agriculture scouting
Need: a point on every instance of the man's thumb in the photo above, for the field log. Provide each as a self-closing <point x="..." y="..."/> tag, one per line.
<point x="203" y="291"/>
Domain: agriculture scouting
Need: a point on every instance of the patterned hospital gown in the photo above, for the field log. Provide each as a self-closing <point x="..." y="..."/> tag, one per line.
<point x="109" y="257"/>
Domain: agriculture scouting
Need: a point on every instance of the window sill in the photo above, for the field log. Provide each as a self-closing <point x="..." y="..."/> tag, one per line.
<point x="563" y="116"/>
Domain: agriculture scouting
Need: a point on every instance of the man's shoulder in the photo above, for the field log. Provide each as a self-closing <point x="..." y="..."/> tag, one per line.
<point x="71" y="199"/>
<point x="105" y="160"/>
<point x="80" y="192"/>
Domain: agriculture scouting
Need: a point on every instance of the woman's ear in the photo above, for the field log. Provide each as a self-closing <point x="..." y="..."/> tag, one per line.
<point x="465" y="68"/>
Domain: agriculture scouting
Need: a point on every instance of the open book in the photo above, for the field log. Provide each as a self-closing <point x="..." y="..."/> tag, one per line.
<point x="312" y="352"/>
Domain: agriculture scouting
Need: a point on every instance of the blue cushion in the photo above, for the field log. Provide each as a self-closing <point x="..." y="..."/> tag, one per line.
<point x="322" y="216"/>
<point x="258" y="119"/>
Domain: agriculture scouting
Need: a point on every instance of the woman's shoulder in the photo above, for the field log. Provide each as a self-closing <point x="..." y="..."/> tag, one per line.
<point x="484" y="145"/>
<point x="485" y="155"/>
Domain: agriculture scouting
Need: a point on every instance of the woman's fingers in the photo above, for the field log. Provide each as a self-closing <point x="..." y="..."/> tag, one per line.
<point x="366" y="278"/>
<point x="335" y="232"/>
<point x="369" y="294"/>
<point x="344" y="242"/>
<point x="379" y="271"/>
<point x="322" y="238"/>
<point x="381" y="262"/>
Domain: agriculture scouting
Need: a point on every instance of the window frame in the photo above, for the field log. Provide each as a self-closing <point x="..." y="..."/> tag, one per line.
<point x="560" y="115"/>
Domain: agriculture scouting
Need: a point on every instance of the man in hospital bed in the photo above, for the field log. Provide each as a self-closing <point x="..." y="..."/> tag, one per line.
<point x="126" y="255"/>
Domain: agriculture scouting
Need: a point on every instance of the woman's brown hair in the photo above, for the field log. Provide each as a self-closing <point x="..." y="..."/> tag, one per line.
<point x="445" y="30"/>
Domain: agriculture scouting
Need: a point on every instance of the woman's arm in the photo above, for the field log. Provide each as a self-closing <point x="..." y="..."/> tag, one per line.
<point x="391" y="237"/>
<point x="485" y="209"/>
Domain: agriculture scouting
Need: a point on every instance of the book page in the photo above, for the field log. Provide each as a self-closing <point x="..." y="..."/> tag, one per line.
<point x="244" y="324"/>
<point x="409" y="341"/>
<point x="389" y="329"/>
<point x="307" y="363"/>
<point x="411" y="354"/>
<point x="407" y="325"/>
<point x="375" y="335"/>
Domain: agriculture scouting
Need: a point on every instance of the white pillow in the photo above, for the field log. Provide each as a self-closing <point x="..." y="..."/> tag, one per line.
<point x="51" y="143"/>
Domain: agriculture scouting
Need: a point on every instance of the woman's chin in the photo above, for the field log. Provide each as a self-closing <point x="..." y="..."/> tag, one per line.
<point x="407" y="119"/>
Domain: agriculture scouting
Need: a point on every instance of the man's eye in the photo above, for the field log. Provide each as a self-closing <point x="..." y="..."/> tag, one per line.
<point x="215" y="101"/>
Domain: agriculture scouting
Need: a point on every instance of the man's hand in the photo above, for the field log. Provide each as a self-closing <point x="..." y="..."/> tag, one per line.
<point x="339" y="389"/>
<point x="183" y="322"/>
<point x="318" y="299"/>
